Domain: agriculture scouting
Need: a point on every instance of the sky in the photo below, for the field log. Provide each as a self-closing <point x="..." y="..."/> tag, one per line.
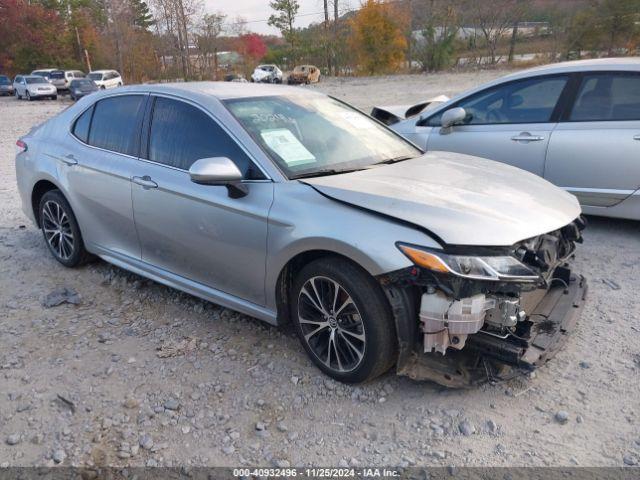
<point x="256" y="12"/>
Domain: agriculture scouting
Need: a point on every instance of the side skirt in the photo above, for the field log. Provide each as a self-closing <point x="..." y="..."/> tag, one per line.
<point x="184" y="284"/>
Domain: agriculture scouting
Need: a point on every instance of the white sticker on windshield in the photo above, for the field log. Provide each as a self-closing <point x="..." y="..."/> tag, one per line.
<point x="285" y="144"/>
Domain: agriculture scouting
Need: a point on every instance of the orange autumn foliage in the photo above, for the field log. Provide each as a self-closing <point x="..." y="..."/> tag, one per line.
<point x="377" y="40"/>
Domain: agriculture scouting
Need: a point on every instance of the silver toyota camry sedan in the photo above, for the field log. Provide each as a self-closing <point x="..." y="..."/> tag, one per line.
<point x="291" y="206"/>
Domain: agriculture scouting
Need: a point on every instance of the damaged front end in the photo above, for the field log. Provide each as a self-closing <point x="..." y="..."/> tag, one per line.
<point x="469" y="315"/>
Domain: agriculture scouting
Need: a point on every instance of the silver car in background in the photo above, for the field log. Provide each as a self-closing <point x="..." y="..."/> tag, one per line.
<point x="32" y="87"/>
<point x="291" y="206"/>
<point x="577" y="124"/>
<point x="6" y="86"/>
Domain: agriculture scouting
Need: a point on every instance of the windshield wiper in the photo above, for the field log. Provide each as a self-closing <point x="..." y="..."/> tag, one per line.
<point x="324" y="173"/>
<point x="389" y="161"/>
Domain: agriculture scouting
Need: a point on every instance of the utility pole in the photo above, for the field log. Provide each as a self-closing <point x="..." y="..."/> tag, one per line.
<point x="86" y="56"/>
<point x="327" y="46"/>
<point x="336" y="17"/>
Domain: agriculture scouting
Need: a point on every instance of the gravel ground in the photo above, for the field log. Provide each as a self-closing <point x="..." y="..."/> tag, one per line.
<point x="139" y="374"/>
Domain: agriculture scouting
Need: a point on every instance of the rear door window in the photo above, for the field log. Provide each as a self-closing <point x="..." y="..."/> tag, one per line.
<point x="115" y="124"/>
<point x="81" y="127"/>
<point x="180" y="134"/>
<point x="607" y="97"/>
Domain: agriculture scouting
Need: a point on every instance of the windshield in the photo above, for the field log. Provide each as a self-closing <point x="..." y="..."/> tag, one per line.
<point x="36" y="80"/>
<point x="4" y="80"/>
<point x="95" y="76"/>
<point x="308" y="135"/>
<point x="57" y="75"/>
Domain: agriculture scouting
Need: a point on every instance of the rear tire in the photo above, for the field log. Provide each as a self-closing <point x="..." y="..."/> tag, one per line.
<point x="60" y="230"/>
<point x="343" y="320"/>
<point x="54" y="97"/>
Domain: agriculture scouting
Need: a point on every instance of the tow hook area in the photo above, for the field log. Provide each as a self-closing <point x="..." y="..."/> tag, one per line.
<point x="449" y="326"/>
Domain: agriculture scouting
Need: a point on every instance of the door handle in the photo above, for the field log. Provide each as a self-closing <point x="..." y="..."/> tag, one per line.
<point x="69" y="160"/>
<point x="636" y="137"/>
<point x="527" y="137"/>
<point x="145" y="182"/>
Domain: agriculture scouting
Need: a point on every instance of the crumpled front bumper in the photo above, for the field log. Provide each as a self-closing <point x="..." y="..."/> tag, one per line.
<point x="488" y="357"/>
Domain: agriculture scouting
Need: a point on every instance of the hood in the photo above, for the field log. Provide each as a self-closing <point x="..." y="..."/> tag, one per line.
<point x="464" y="200"/>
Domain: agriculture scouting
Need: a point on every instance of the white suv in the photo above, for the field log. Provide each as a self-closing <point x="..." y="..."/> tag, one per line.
<point x="106" y="78"/>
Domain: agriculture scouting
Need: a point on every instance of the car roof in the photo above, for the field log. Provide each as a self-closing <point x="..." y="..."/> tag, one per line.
<point x="221" y="90"/>
<point x="45" y="70"/>
<point x="623" y="64"/>
<point x="102" y="71"/>
<point x="601" y="64"/>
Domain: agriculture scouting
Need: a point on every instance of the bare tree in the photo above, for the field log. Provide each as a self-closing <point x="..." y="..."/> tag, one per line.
<point x="207" y="39"/>
<point x="176" y="23"/>
<point x="494" y="19"/>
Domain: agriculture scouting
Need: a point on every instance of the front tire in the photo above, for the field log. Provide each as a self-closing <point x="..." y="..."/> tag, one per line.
<point x="28" y="96"/>
<point x="343" y="320"/>
<point x="60" y="230"/>
<point x="54" y="97"/>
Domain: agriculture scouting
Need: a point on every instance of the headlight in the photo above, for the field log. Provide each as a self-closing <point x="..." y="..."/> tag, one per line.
<point x="495" y="268"/>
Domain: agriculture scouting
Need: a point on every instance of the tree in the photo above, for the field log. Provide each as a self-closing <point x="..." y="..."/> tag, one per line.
<point x="377" y="38"/>
<point x="26" y="34"/>
<point x="435" y="44"/>
<point x="284" y="19"/>
<point x="494" y="19"/>
<point x="252" y="47"/>
<point x="581" y="33"/>
<point x="618" y="22"/>
<point x="176" y="28"/>
<point x="207" y="39"/>
<point x="142" y="17"/>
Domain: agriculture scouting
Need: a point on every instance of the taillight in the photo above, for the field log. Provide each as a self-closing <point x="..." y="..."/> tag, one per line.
<point x="21" y="147"/>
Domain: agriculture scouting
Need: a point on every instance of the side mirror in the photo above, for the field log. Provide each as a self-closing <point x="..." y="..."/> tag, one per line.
<point x="219" y="171"/>
<point x="453" y="116"/>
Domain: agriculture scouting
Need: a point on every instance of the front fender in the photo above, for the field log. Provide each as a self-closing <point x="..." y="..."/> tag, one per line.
<point x="302" y="220"/>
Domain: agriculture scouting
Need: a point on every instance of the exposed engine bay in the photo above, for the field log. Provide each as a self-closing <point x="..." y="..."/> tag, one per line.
<point x="481" y="317"/>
